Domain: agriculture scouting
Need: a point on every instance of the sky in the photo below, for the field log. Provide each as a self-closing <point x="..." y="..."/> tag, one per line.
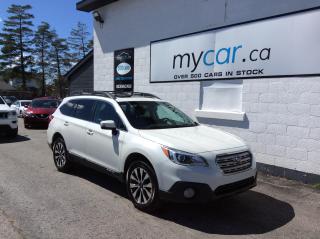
<point x="60" y="14"/>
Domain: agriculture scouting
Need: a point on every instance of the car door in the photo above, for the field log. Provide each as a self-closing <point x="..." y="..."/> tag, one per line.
<point x="102" y="146"/>
<point x="76" y="126"/>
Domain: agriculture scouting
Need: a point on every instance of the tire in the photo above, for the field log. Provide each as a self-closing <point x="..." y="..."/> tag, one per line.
<point x="61" y="155"/>
<point x="13" y="133"/>
<point x="26" y="125"/>
<point x="142" y="186"/>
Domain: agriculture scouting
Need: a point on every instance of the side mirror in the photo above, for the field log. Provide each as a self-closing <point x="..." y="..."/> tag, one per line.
<point x="108" y="125"/>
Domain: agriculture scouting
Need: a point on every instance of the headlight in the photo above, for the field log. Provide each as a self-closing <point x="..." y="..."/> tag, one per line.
<point x="26" y="113"/>
<point x="183" y="158"/>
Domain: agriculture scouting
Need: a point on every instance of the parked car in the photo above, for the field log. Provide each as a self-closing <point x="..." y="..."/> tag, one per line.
<point x="159" y="152"/>
<point x="20" y="106"/>
<point x="38" y="112"/>
<point x="8" y="120"/>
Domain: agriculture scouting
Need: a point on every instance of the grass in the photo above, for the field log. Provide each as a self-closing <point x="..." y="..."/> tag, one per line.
<point x="317" y="186"/>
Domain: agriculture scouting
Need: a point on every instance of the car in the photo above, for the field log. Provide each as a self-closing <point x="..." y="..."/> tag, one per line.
<point x="159" y="152"/>
<point x="39" y="111"/>
<point x="20" y="106"/>
<point x="8" y="120"/>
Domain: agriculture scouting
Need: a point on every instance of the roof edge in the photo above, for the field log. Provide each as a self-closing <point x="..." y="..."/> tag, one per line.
<point x="88" y="57"/>
<point x="90" y="5"/>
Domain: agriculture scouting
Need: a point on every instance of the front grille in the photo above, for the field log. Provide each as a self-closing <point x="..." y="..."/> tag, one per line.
<point x="234" y="163"/>
<point x="42" y="116"/>
<point x="3" y="115"/>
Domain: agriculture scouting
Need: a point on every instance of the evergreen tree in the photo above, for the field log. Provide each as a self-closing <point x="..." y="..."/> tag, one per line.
<point x="16" y="41"/>
<point x="60" y="59"/>
<point x="79" y="42"/>
<point x="42" y="40"/>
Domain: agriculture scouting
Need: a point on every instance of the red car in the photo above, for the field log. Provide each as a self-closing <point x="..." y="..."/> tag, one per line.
<point x="37" y="114"/>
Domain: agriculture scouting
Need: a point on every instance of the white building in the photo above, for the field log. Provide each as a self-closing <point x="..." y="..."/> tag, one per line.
<point x="250" y="67"/>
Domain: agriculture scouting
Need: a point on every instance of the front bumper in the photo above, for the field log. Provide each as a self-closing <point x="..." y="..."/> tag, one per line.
<point x="34" y="121"/>
<point x="8" y="124"/>
<point x="203" y="192"/>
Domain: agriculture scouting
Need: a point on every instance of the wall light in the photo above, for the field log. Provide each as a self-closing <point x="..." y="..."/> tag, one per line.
<point x="97" y="17"/>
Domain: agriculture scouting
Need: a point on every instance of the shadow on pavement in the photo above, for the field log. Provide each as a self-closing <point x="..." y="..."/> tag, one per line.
<point x="19" y="138"/>
<point x="99" y="179"/>
<point x="248" y="213"/>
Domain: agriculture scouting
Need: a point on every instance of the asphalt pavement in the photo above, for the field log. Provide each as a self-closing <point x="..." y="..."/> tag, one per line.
<point x="37" y="201"/>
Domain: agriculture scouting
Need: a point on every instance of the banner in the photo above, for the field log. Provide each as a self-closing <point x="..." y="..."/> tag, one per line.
<point x="278" y="47"/>
<point x="124" y="70"/>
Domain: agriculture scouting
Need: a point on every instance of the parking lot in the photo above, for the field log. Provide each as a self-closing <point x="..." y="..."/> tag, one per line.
<point x="36" y="201"/>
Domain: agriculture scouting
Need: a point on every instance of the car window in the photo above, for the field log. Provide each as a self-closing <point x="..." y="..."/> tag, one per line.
<point x="105" y="111"/>
<point x="155" y="115"/>
<point x="163" y="113"/>
<point x="1" y="101"/>
<point x="44" y="104"/>
<point x="25" y="103"/>
<point x="84" y="109"/>
<point x="68" y="108"/>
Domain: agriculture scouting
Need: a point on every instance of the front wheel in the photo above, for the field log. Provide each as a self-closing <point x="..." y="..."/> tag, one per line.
<point x="60" y="155"/>
<point x="142" y="186"/>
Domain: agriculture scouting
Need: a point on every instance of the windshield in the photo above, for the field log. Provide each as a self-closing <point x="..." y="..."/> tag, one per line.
<point x="155" y="115"/>
<point x="1" y="101"/>
<point x="25" y="103"/>
<point x="44" y="104"/>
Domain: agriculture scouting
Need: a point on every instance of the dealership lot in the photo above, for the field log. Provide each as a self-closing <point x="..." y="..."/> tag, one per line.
<point x="36" y="201"/>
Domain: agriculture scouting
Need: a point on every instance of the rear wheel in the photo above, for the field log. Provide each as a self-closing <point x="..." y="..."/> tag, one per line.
<point x="142" y="186"/>
<point x="60" y="155"/>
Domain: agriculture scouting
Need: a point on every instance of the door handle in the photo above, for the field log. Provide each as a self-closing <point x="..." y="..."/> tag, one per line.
<point x="89" y="132"/>
<point x="66" y="123"/>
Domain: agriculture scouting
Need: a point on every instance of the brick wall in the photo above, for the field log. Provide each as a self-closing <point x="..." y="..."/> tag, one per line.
<point x="282" y="123"/>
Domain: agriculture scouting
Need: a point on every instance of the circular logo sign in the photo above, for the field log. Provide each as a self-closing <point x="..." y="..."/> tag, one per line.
<point x="123" y="68"/>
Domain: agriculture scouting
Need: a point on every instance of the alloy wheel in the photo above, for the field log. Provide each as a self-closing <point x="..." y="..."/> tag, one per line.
<point x="59" y="154"/>
<point x="141" y="186"/>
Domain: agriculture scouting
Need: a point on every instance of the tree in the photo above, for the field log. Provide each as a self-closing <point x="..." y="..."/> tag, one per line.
<point x="42" y="41"/>
<point x="60" y="60"/>
<point x="79" y="42"/>
<point x="16" y="41"/>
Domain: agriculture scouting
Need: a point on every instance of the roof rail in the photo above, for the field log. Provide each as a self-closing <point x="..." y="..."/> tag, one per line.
<point x="114" y="94"/>
<point x="95" y="93"/>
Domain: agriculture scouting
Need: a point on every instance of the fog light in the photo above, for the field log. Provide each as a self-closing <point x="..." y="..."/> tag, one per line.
<point x="189" y="193"/>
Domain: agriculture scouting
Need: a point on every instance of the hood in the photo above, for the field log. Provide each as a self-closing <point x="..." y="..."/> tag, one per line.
<point x="197" y="139"/>
<point x="4" y="107"/>
<point x="48" y="111"/>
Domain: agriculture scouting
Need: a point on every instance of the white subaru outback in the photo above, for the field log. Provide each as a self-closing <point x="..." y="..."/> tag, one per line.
<point x="155" y="149"/>
<point x="8" y="120"/>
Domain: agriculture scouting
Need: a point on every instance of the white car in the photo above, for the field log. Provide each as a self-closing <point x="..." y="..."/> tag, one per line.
<point x="20" y="106"/>
<point x="156" y="150"/>
<point x="8" y="120"/>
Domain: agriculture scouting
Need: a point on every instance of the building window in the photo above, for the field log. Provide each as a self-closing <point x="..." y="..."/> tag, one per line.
<point x="221" y="100"/>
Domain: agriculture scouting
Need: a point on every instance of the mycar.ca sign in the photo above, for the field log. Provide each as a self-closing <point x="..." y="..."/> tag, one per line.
<point x="276" y="47"/>
<point x="124" y="70"/>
